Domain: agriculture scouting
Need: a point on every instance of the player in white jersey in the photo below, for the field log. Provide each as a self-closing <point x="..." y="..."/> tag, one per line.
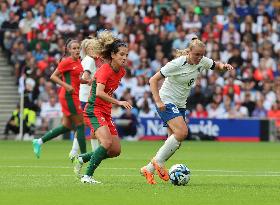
<point x="179" y="76"/>
<point x="90" y="62"/>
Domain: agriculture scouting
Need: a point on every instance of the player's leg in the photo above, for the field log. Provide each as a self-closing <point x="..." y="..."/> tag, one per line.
<point x="75" y="148"/>
<point x="104" y="136"/>
<point x="65" y="127"/>
<point x="80" y="130"/>
<point x="94" y="142"/>
<point x="179" y="131"/>
<point x="115" y="149"/>
<point x="150" y="167"/>
<point x="148" y="170"/>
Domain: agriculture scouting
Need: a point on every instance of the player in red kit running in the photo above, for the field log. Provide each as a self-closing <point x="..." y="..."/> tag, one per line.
<point x="97" y="112"/>
<point x="67" y="75"/>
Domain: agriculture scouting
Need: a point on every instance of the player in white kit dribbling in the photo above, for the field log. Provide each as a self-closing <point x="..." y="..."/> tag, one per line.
<point x="90" y="62"/>
<point x="179" y="76"/>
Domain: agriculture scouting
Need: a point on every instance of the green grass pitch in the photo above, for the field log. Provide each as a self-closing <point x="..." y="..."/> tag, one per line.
<point x="222" y="173"/>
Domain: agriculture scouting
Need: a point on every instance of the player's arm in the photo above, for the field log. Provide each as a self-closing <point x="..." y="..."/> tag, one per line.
<point x="85" y="78"/>
<point x="155" y="91"/>
<point x="55" y="77"/>
<point x="104" y="96"/>
<point x="221" y="67"/>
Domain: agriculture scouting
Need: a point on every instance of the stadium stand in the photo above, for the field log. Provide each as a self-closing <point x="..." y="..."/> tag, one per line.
<point x="243" y="33"/>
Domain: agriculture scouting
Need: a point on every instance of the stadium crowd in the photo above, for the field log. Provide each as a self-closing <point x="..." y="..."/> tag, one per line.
<point x="246" y="34"/>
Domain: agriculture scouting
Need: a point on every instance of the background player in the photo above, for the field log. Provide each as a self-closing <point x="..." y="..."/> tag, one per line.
<point x="67" y="75"/>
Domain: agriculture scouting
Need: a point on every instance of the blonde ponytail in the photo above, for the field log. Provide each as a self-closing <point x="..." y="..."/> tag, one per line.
<point x="194" y="42"/>
<point x="183" y="52"/>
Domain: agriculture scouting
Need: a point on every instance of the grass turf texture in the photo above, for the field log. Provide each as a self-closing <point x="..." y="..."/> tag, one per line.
<point x="222" y="173"/>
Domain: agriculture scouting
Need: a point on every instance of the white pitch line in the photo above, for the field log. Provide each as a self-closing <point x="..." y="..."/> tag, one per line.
<point x="131" y="168"/>
<point x="127" y="175"/>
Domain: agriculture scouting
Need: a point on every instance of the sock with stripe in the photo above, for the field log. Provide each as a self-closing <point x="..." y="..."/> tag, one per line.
<point x="95" y="160"/>
<point x="54" y="133"/>
<point x="80" y="129"/>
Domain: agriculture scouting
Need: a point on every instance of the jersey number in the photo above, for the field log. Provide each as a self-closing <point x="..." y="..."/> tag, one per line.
<point x="191" y="82"/>
<point x="175" y="110"/>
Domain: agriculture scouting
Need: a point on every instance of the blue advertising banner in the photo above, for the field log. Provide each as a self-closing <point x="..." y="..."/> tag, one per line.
<point x="211" y="129"/>
<point x="226" y="129"/>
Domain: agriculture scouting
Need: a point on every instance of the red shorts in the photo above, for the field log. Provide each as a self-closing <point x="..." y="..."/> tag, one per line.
<point x="95" y="118"/>
<point x="70" y="105"/>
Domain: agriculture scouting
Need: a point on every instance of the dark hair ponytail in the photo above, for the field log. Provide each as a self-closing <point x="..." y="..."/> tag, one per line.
<point x="113" y="48"/>
<point x="68" y="43"/>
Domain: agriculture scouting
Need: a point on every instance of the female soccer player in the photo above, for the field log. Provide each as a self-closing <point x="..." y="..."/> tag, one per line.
<point x="179" y="76"/>
<point x="90" y="62"/>
<point x="67" y="75"/>
<point x="98" y="109"/>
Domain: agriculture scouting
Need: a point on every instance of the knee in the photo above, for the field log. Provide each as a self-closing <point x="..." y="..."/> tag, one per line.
<point x="114" y="153"/>
<point x="107" y="143"/>
<point x="181" y="133"/>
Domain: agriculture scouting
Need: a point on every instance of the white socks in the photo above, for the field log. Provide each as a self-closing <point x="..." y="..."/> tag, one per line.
<point x="150" y="167"/>
<point x="40" y="141"/>
<point x="75" y="146"/>
<point x="167" y="150"/>
<point x="94" y="144"/>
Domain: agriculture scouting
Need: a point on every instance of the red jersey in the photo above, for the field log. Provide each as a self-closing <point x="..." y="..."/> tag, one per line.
<point x="71" y="71"/>
<point x="111" y="79"/>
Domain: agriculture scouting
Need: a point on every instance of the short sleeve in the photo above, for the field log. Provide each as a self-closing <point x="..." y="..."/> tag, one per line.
<point x="88" y="64"/>
<point x="171" y="67"/>
<point x="64" y="65"/>
<point x="208" y="63"/>
<point x="102" y="74"/>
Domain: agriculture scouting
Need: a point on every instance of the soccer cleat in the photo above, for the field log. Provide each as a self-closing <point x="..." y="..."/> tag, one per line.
<point x="89" y="180"/>
<point x="77" y="166"/>
<point x="148" y="175"/>
<point x="161" y="171"/>
<point x="36" y="148"/>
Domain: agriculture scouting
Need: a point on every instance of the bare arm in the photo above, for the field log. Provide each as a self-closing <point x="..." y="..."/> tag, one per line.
<point x="155" y="91"/>
<point x="55" y="77"/>
<point x="104" y="96"/>
<point x="85" y="78"/>
<point x="223" y="66"/>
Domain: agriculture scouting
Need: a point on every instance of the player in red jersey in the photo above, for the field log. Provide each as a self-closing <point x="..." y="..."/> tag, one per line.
<point x="90" y="61"/>
<point x="97" y="112"/>
<point x="68" y="76"/>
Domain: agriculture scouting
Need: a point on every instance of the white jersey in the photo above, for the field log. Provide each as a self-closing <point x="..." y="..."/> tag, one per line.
<point x="88" y="65"/>
<point x="179" y="78"/>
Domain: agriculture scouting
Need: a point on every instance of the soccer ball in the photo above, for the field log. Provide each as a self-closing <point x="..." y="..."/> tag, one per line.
<point x="179" y="174"/>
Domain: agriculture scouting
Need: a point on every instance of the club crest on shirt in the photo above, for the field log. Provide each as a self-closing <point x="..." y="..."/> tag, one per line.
<point x="103" y="119"/>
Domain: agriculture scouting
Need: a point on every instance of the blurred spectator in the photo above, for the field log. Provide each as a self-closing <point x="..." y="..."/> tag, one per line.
<point x="249" y="104"/>
<point x="127" y="126"/>
<point x="215" y="111"/>
<point x="259" y="111"/>
<point x="50" y="114"/>
<point x="4" y="12"/>
<point x="199" y="112"/>
<point x="274" y="114"/>
<point x="13" y="122"/>
<point x="26" y="23"/>
<point x="245" y="34"/>
<point x="146" y="111"/>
